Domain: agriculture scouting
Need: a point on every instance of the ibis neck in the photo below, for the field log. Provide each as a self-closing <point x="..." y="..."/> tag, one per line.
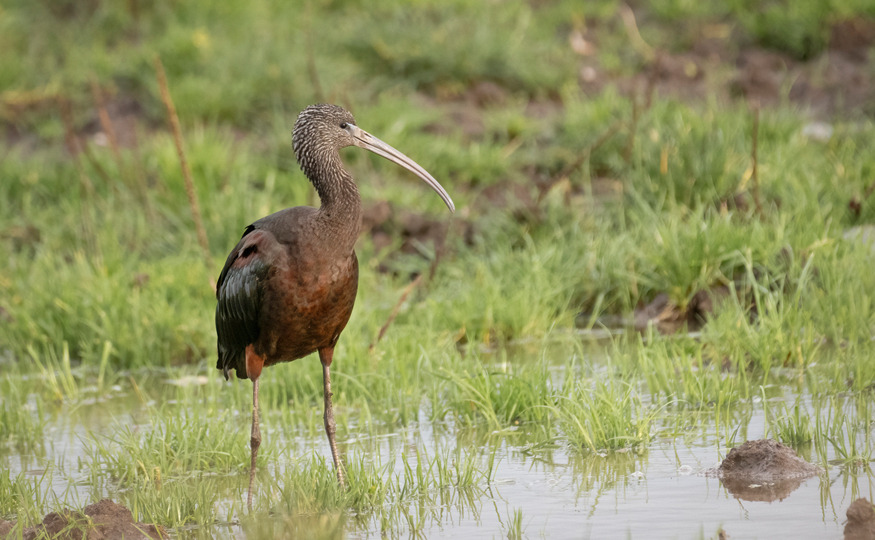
<point x="339" y="219"/>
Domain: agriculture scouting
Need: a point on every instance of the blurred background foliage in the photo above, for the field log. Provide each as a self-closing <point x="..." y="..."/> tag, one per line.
<point x="598" y="160"/>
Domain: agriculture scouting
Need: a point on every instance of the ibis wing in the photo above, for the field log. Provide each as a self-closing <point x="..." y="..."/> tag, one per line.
<point x="240" y="292"/>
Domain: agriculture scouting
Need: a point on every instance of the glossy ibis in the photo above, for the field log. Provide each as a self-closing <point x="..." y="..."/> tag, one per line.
<point x="288" y="287"/>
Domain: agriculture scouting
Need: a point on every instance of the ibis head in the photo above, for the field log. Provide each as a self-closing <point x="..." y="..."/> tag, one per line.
<point x="322" y="130"/>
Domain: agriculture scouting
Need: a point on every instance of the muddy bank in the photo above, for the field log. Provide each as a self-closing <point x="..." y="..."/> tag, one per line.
<point x="763" y="470"/>
<point x="104" y="520"/>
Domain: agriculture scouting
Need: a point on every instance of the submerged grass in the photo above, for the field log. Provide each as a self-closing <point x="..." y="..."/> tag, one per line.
<point x="179" y="443"/>
<point x="174" y="503"/>
<point x="847" y="427"/>
<point x="21" y="420"/>
<point x="794" y="428"/>
<point x="683" y="370"/>
<point x="499" y="395"/>
<point x="311" y="485"/>
<point x="27" y="498"/>
<point x="388" y="496"/>
<point x="604" y="416"/>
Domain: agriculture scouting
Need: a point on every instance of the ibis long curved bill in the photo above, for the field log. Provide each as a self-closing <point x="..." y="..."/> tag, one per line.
<point x="365" y="140"/>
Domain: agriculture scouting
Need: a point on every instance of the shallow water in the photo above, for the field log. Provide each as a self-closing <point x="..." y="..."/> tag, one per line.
<point x="654" y="493"/>
<point x="659" y="494"/>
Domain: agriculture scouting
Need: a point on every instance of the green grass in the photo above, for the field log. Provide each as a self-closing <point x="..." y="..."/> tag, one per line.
<point x="20" y="425"/>
<point x="105" y="293"/>
<point x="604" y="416"/>
<point x="173" y="504"/>
<point x="430" y="47"/>
<point x="515" y="527"/>
<point x="181" y="444"/>
<point x="27" y="499"/>
<point x="795" y="428"/>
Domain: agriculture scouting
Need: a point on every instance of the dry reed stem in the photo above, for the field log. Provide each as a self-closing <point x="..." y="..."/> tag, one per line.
<point x="573" y="166"/>
<point x="96" y="164"/>
<point x="633" y="127"/>
<point x="106" y="123"/>
<point x="613" y="128"/>
<point x="186" y="170"/>
<point x="637" y="111"/>
<point x="754" y="175"/>
<point x="404" y="294"/>
<point x="140" y="173"/>
<point x="635" y="38"/>
<point x="67" y="120"/>
<point x="229" y="167"/>
<point x="651" y="80"/>
<point x="439" y="255"/>
<point x="74" y="146"/>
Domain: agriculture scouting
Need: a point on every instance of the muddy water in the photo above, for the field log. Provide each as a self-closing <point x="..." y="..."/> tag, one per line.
<point x="654" y="494"/>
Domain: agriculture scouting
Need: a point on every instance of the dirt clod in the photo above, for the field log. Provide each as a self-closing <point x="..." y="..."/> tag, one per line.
<point x="765" y="459"/>
<point x="853" y="37"/>
<point x="669" y="318"/>
<point x="104" y="520"/>
<point x="419" y="233"/>
<point x="861" y="521"/>
<point x="764" y="470"/>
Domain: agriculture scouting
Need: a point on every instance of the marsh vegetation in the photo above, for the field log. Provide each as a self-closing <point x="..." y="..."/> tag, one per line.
<point x="605" y="180"/>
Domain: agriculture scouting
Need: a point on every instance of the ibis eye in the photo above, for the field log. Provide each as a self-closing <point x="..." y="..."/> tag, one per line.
<point x="343" y="125"/>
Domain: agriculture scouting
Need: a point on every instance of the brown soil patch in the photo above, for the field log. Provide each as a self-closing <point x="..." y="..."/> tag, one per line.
<point x="419" y="233"/>
<point x="22" y="236"/>
<point x="861" y="521"/>
<point x="514" y="198"/>
<point x="853" y="37"/>
<point x="125" y="113"/>
<point x="104" y="520"/>
<point x="838" y="80"/>
<point x="464" y="116"/>
<point x="669" y="318"/>
<point x="763" y="470"/>
<point x="383" y="224"/>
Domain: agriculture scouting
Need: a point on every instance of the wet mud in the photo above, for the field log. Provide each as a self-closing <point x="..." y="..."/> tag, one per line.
<point x="104" y="520"/>
<point x="861" y="521"/>
<point x="763" y="470"/>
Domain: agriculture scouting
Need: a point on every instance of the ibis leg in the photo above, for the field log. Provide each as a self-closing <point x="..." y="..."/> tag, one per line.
<point x="255" y="441"/>
<point x="325" y="355"/>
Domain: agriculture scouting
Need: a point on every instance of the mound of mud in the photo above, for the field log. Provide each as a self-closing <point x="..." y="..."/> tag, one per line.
<point x="763" y="470"/>
<point x="765" y="459"/>
<point x="104" y="520"/>
<point x="861" y="521"/>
